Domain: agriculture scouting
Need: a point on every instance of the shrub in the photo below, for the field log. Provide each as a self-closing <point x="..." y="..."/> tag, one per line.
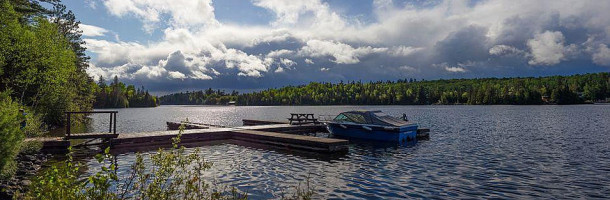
<point x="170" y="173"/>
<point x="11" y="135"/>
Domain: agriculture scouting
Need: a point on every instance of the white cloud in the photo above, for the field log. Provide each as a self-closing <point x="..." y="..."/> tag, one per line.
<point x="445" y="66"/>
<point x="499" y="50"/>
<point x="201" y="76"/>
<point x="184" y="13"/>
<point x="403" y="50"/>
<point x="279" y="53"/>
<point x="398" y="35"/>
<point x="547" y="48"/>
<point x="309" y="61"/>
<point x="602" y="56"/>
<point x="342" y="53"/>
<point x="177" y="75"/>
<point x="455" y="69"/>
<point x="287" y="62"/>
<point x="290" y="13"/>
<point x="92" y="31"/>
<point x="279" y="70"/>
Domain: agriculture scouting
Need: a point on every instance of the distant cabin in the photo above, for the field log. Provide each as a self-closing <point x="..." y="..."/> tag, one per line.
<point x="545" y="98"/>
<point x="231" y="103"/>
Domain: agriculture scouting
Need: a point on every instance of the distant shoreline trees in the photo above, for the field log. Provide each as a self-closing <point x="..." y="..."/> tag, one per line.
<point x="207" y="97"/>
<point x="573" y="89"/>
<point x="118" y="95"/>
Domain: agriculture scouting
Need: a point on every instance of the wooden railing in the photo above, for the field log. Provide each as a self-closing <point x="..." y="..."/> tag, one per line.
<point x="111" y="128"/>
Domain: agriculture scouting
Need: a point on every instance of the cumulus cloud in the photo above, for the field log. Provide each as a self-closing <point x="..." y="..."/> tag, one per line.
<point x="183" y="13"/>
<point x="290" y="13"/>
<point x="547" y="48"/>
<point x="279" y="53"/>
<point x="455" y="69"/>
<point x="477" y="38"/>
<point x="176" y="75"/>
<point x="92" y="31"/>
<point x="341" y="53"/>
<point x="602" y="56"/>
<point x="287" y="62"/>
<point x="403" y="50"/>
<point x="309" y="61"/>
<point x="500" y="50"/>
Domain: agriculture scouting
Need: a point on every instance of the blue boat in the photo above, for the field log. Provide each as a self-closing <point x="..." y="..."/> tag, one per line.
<point x="372" y="125"/>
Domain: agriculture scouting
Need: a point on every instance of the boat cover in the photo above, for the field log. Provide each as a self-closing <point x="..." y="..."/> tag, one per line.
<point x="370" y="117"/>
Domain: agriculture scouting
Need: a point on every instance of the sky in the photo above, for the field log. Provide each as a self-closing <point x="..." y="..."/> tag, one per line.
<point x="178" y="45"/>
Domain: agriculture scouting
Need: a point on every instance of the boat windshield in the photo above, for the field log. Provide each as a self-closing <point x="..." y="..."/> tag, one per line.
<point x="370" y="117"/>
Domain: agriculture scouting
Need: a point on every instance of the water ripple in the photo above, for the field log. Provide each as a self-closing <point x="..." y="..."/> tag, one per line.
<point x="480" y="152"/>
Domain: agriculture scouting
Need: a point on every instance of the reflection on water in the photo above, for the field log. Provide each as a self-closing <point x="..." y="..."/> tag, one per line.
<point x="474" y="151"/>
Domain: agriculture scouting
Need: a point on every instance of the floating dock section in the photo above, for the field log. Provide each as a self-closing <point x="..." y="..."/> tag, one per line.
<point x="191" y="125"/>
<point x="252" y="122"/>
<point x="275" y="135"/>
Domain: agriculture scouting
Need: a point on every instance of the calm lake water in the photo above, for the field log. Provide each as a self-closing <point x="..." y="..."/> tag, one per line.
<point x="482" y="152"/>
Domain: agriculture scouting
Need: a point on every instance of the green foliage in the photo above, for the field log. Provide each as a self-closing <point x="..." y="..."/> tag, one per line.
<point x="170" y="173"/>
<point x="34" y="126"/>
<point x="516" y="91"/>
<point x="118" y="95"/>
<point x="11" y="135"/>
<point x="39" y="63"/>
<point x="173" y="174"/>
<point x="207" y="97"/>
<point x="59" y="182"/>
<point x="30" y="147"/>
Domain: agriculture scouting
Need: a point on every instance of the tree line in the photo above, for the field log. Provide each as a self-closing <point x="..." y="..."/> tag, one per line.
<point x="119" y="95"/>
<point x="515" y="91"/>
<point x="207" y="97"/>
<point x="42" y="60"/>
<point x="42" y="73"/>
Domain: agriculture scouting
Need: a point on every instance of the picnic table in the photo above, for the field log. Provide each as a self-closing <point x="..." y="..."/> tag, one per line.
<point x="302" y="118"/>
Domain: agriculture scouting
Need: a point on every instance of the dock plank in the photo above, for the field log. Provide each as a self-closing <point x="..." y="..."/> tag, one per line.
<point x="268" y="134"/>
<point x="91" y="135"/>
<point x="292" y="141"/>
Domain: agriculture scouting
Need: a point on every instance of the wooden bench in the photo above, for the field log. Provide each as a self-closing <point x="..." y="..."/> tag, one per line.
<point x="302" y="118"/>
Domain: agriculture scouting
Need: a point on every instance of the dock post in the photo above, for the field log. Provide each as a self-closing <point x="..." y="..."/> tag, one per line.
<point x="110" y="127"/>
<point x="114" y="128"/>
<point x="68" y="124"/>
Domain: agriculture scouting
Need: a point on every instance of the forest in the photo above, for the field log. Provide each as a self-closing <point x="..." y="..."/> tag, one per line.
<point x="42" y="74"/>
<point x="119" y="95"/>
<point x="207" y="97"/>
<point x="573" y="89"/>
<point x="42" y="60"/>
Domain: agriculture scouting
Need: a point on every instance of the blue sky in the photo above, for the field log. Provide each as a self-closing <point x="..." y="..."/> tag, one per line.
<point x="177" y="45"/>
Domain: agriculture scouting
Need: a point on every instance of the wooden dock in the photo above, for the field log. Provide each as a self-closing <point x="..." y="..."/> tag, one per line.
<point x="91" y="136"/>
<point x="253" y="122"/>
<point x="268" y="133"/>
<point x="275" y="135"/>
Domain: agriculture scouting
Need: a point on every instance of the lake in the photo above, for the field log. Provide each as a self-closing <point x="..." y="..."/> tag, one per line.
<point x="482" y="152"/>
